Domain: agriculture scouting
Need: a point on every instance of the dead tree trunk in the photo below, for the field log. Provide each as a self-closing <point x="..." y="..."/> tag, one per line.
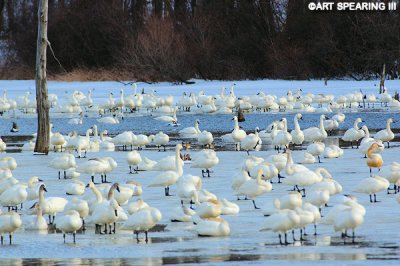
<point x="382" y="83"/>
<point x="43" y="132"/>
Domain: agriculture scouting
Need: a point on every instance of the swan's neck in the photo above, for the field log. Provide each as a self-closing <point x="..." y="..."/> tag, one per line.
<point x="369" y="153"/>
<point x="366" y="133"/>
<point x="97" y="193"/>
<point x="236" y="124"/>
<point x="41" y="197"/>
<point x="111" y="193"/>
<point x="178" y="165"/>
<point x="285" y="125"/>
<point x="388" y="126"/>
<point x="296" y="124"/>
<point x="321" y="124"/>
<point x="196" y="126"/>
<point x="102" y="136"/>
<point x="356" y="124"/>
<point x="289" y="163"/>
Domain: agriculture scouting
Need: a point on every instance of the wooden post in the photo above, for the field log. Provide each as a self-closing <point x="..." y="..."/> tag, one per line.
<point x="382" y="83"/>
<point x="43" y="131"/>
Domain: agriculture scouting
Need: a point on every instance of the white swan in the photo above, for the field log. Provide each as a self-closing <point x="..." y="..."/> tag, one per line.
<point x="211" y="226"/>
<point x="51" y="205"/>
<point x="251" y="142"/>
<point x="92" y="167"/>
<point x="79" y="205"/>
<point x="62" y="163"/>
<point x="77" y="187"/>
<point x="135" y="206"/>
<point x="355" y="133"/>
<point x="316" y="149"/>
<point x="367" y="142"/>
<point x="142" y="220"/>
<point x="69" y="222"/>
<point x="181" y="214"/>
<point x="307" y="158"/>
<point x="332" y="151"/>
<point x="36" y="222"/>
<point x="283" y="137"/>
<point x="237" y="134"/>
<point x="239" y="179"/>
<point x="254" y="187"/>
<point x="205" y="159"/>
<point x="312" y="134"/>
<point x="304" y="179"/>
<point x="14" y="196"/>
<point x="297" y="134"/>
<point x="9" y="223"/>
<point x="188" y="189"/>
<point x="161" y="140"/>
<point x="133" y="158"/>
<point x="205" y="138"/>
<point x="33" y="188"/>
<point x="168" y="178"/>
<point x="372" y="185"/>
<point x="108" y="120"/>
<point x="125" y="139"/>
<point x="281" y="222"/>
<point x="385" y="135"/>
<point x="191" y="132"/>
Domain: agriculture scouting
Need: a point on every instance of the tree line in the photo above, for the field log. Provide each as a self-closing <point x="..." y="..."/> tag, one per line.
<point x="176" y="40"/>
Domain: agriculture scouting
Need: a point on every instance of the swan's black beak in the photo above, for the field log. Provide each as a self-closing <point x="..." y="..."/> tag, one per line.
<point x="118" y="189"/>
<point x="301" y="118"/>
<point x="116" y="212"/>
<point x="233" y="118"/>
<point x="87" y="185"/>
<point x="362" y="121"/>
<point x="33" y="206"/>
<point x="44" y="188"/>
<point x="40" y="180"/>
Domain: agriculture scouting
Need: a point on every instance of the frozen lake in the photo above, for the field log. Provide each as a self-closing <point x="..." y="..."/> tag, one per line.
<point x="377" y="239"/>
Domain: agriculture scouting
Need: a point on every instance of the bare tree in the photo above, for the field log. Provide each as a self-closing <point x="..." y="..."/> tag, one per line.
<point x="43" y="136"/>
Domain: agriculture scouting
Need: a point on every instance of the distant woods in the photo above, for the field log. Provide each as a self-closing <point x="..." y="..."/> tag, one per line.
<point x="176" y="40"/>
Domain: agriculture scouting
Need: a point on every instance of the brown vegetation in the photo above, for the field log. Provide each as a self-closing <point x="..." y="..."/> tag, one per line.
<point x="165" y="40"/>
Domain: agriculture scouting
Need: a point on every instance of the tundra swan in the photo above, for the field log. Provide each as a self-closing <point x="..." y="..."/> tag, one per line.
<point x="385" y="135"/>
<point x="142" y="220"/>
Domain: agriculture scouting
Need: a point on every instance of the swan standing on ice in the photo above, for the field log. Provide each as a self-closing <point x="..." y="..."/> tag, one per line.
<point x="355" y="133"/>
<point x="237" y="134"/>
<point x="367" y="141"/>
<point x="205" y="159"/>
<point x="312" y="134"/>
<point x="161" y="140"/>
<point x="9" y="223"/>
<point x="297" y="134"/>
<point x="167" y="178"/>
<point x="133" y="158"/>
<point x="69" y="222"/>
<point x="385" y="135"/>
<point x="62" y="163"/>
<point x="142" y="220"/>
<point x="51" y="205"/>
<point x="251" y="141"/>
<point x="372" y="185"/>
<point x="254" y="187"/>
<point x="283" y="137"/>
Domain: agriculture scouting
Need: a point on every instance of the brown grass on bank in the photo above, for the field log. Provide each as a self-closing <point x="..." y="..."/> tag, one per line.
<point x="23" y="72"/>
